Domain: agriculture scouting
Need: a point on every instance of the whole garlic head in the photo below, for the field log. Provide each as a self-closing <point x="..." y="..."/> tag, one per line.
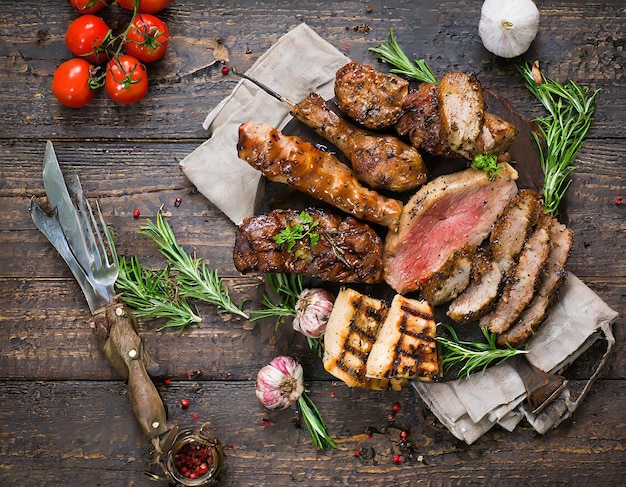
<point x="280" y="384"/>
<point x="313" y="311"/>
<point x="508" y="27"/>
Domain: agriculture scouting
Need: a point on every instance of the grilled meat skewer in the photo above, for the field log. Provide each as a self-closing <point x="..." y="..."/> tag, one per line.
<point x="382" y="161"/>
<point x="293" y="161"/>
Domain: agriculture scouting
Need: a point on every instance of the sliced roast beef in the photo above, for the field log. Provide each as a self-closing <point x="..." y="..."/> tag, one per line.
<point x="521" y="285"/>
<point x="505" y="244"/>
<point x="445" y="215"/>
<point x="451" y="279"/>
<point x="331" y="249"/>
<point x="553" y="278"/>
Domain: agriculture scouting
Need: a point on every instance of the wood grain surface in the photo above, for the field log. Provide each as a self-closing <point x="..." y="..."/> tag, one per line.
<point x="64" y="415"/>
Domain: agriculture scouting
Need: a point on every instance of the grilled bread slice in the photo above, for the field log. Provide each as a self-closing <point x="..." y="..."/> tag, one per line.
<point x="349" y="337"/>
<point x="406" y="346"/>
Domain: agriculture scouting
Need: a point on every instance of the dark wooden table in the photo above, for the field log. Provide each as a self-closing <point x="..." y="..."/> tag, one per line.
<point x="64" y="415"/>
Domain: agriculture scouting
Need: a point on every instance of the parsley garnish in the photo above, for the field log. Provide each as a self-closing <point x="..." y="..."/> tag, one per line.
<point x="487" y="163"/>
<point x="293" y="233"/>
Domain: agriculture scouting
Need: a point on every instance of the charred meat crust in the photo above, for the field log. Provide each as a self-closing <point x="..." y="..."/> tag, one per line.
<point x="346" y="251"/>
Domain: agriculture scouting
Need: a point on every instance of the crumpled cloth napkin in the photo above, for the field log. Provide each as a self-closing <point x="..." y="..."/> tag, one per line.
<point x="301" y="62"/>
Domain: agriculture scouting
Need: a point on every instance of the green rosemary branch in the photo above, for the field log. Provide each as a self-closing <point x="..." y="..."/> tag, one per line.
<point x="392" y="53"/>
<point x="194" y="279"/>
<point x="151" y="294"/>
<point x="474" y="356"/>
<point x="315" y="423"/>
<point x="285" y="290"/>
<point x="570" y="112"/>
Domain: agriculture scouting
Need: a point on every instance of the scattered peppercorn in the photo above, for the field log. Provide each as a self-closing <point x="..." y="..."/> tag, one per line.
<point x="178" y="201"/>
<point x="618" y="200"/>
<point x="357" y="453"/>
<point x="404" y="434"/>
<point x="398" y="459"/>
<point x="167" y="382"/>
<point x="184" y="403"/>
<point x="136" y="213"/>
<point x="225" y="70"/>
<point x="396" y="407"/>
<point x="391" y="416"/>
<point x="332" y="393"/>
<point x="196" y="415"/>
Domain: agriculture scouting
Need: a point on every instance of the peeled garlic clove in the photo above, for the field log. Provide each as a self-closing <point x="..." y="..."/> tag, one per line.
<point x="313" y="311"/>
<point x="280" y="384"/>
<point x="508" y="27"/>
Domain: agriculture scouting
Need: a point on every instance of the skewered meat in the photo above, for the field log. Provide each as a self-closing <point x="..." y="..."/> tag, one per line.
<point x="446" y="120"/>
<point x="372" y="98"/>
<point x="290" y="160"/>
<point x="406" y="346"/>
<point x="505" y="244"/>
<point x="552" y="279"/>
<point x="462" y="111"/>
<point x="369" y="344"/>
<point x="446" y="214"/>
<point x="382" y="161"/>
<point x="349" y="337"/>
<point x="522" y="284"/>
<point x="346" y="250"/>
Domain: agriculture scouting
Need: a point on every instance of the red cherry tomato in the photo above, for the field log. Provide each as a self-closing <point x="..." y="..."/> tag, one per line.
<point x="126" y="79"/>
<point x="145" y="6"/>
<point x="88" y="6"/>
<point x="147" y="39"/>
<point x="87" y="37"/>
<point x="71" y="83"/>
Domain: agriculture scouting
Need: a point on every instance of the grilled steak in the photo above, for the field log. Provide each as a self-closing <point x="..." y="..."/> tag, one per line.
<point x="372" y="98"/>
<point x="446" y="214"/>
<point x="290" y="160"/>
<point x="505" y="244"/>
<point x="381" y="161"/>
<point x="346" y="250"/>
<point x="552" y="279"/>
<point x="349" y="337"/>
<point x="406" y="346"/>
<point x="521" y="285"/>
<point x="451" y="279"/>
<point x="496" y="135"/>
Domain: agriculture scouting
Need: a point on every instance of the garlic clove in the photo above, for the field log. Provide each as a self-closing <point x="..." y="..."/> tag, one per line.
<point x="280" y="384"/>
<point x="313" y="311"/>
<point x="508" y="27"/>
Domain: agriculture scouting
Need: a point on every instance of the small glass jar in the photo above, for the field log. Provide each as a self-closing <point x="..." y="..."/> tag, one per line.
<point x="195" y="459"/>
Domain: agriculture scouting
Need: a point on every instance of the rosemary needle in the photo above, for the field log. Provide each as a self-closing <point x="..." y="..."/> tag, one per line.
<point x="151" y="295"/>
<point x="194" y="279"/>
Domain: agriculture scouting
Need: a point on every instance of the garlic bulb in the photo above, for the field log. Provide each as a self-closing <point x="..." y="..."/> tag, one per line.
<point x="280" y="384"/>
<point x="312" y="312"/>
<point x="507" y="27"/>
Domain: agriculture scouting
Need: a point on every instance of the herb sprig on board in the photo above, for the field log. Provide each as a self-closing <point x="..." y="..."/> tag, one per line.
<point x="570" y="109"/>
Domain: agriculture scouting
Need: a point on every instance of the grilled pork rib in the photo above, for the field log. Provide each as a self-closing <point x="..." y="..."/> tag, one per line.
<point x="382" y="161"/>
<point x="290" y="160"/>
<point x="505" y="244"/>
<point x="346" y="250"/>
<point x="552" y="279"/>
<point x="445" y="215"/>
<point x="371" y="98"/>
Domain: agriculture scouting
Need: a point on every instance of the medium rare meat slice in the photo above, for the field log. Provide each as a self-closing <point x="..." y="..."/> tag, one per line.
<point x="299" y="164"/>
<point x="345" y="250"/>
<point x="552" y="279"/>
<point x="462" y="111"/>
<point x="520" y="287"/>
<point x="446" y="214"/>
<point x="370" y="97"/>
<point x="505" y="244"/>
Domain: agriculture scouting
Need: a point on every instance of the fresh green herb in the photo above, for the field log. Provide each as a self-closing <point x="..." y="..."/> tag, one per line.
<point x="474" y="356"/>
<point x="315" y="423"/>
<point x="152" y="294"/>
<point x="487" y="163"/>
<point x="293" y="233"/>
<point x="392" y="54"/>
<point x="570" y="112"/>
<point x="193" y="278"/>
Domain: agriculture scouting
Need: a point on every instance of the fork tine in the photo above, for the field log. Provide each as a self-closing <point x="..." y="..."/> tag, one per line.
<point x="110" y="244"/>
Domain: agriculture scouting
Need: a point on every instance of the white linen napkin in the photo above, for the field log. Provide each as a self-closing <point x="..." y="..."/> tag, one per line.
<point x="301" y="62"/>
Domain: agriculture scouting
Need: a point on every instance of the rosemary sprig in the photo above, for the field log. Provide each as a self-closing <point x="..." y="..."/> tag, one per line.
<point x="570" y="112"/>
<point x="194" y="279"/>
<point x="474" y="356"/>
<point x="315" y="423"/>
<point x="151" y="294"/>
<point x="393" y="54"/>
